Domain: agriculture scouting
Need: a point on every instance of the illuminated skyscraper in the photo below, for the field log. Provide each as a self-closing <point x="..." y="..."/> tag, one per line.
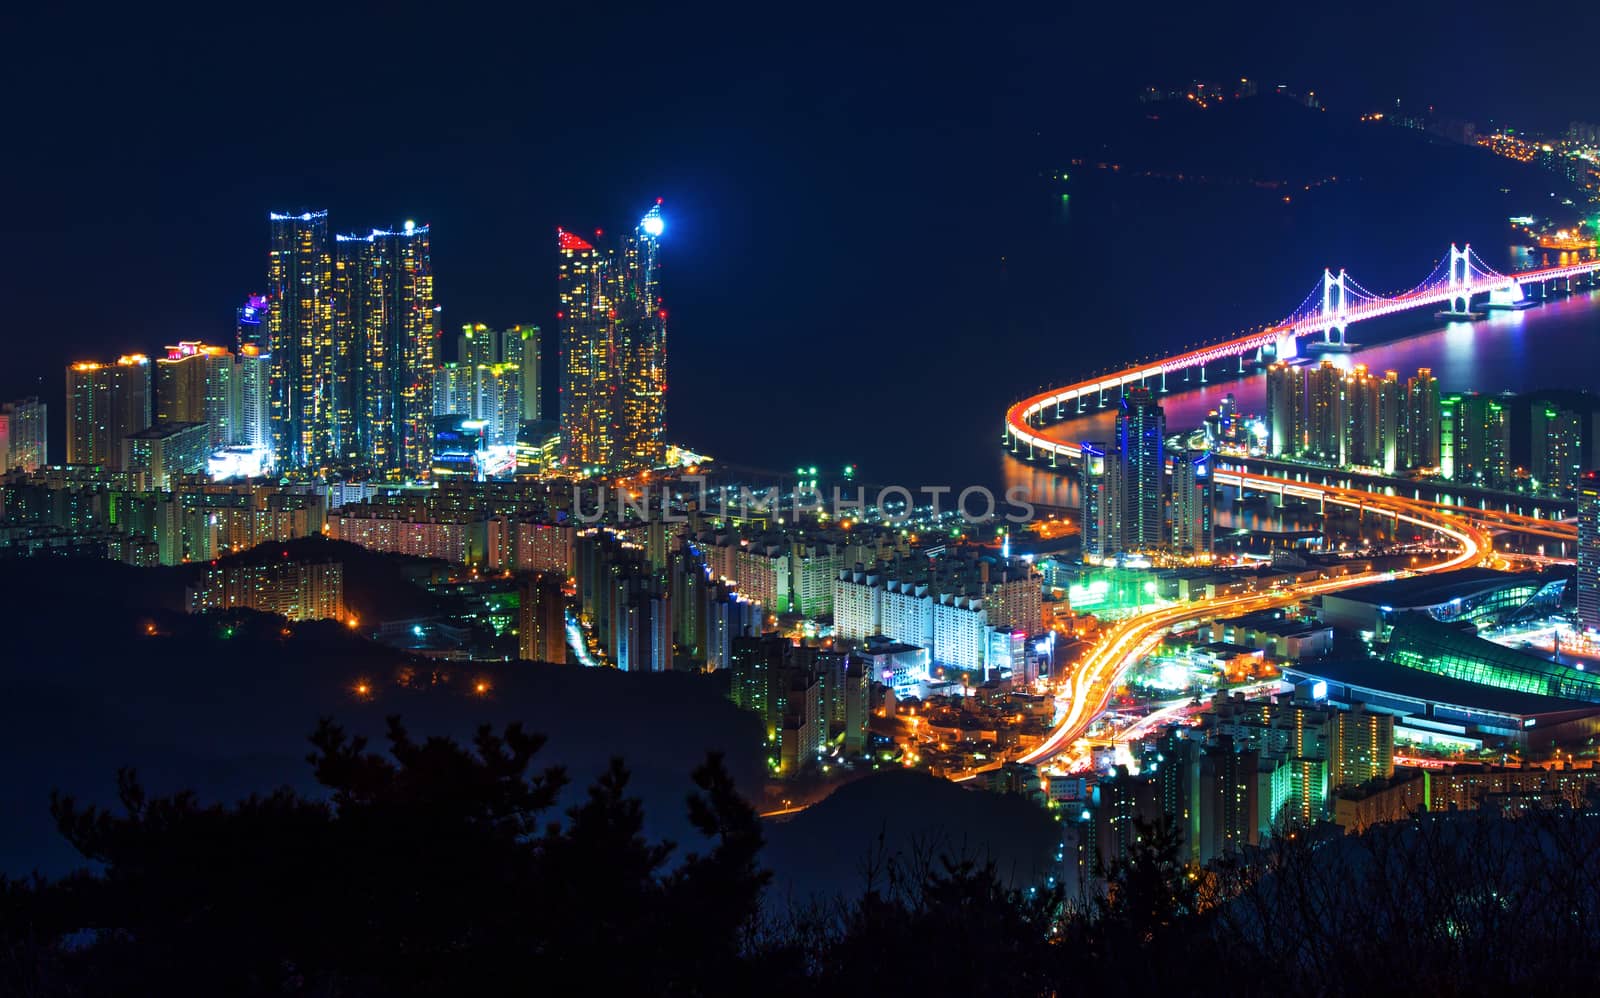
<point x="453" y="387"/>
<point x="1141" y="437"/>
<point x="1193" y="502"/>
<point x="385" y="350"/>
<point x="641" y="344"/>
<point x="1286" y="410"/>
<point x="1361" y="418"/>
<point x="1556" y="449"/>
<point x="1589" y="550"/>
<point x="1390" y="419"/>
<point x="1099" y="499"/>
<point x="1325" y="413"/>
<point x="490" y="378"/>
<point x="499" y="392"/>
<point x="250" y="325"/>
<point x="196" y="383"/>
<point x="1420" y="421"/>
<point x="300" y="339"/>
<point x="254" y="374"/>
<point x="520" y="346"/>
<point x="476" y="346"/>
<point x="106" y="403"/>
<point x="586" y="409"/>
<point x="163" y="450"/>
<point x="541" y="619"/>
<point x="613" y="330"/>
<point x="1474" y="439"/>
<point x="23" y="435"/>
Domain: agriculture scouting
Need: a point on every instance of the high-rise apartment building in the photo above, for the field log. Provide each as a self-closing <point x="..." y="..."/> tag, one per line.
<point x="1556" y="448"/>
<point x="162" y="451"/>
<point x="296" y="590"/>
<point x="254" y="377"/>
<point x="477" y="346"/>
<point x="514" y="355"/>
<point x="499" y="393"/>
<point x="1589" y="551"/>
<point x="454" y="388"/>
<point x="1193" y="502"/>
<point x="106" y="403"/>
<point x="542" y="619"/>
<point x="1092" y="501"/>
<point x="300" y="340"/>
<point x="1420" y="422"/>
<point x="1362" y="445"/>
<point x="23" y="435"/>
<point x="1326" y="416"/>
<point x="385" y="350"/>
<point x="1390" y="417"/>
<point x="1141" y="439"/>
<point x="1286" y="410"/>
<point x="196" y="383"/>
<point x="614" y="349"/>
<point x="520" y="346"/>
<point x="1474" y="439"/>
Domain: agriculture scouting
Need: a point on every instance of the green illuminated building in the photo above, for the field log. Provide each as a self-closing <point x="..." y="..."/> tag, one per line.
<point x="1475" y="440"/>
<point x="1420" y="642"/>
<point x="1556" y="448"/>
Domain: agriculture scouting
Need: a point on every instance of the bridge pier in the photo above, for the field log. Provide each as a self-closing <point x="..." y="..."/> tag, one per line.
<point x="1202" y="374"/>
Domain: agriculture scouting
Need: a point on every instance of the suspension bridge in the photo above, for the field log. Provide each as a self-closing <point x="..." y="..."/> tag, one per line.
<point x="1336" y="303"/>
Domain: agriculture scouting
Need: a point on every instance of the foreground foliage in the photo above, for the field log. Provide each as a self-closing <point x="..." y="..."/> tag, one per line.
<point x="440" y="869"/>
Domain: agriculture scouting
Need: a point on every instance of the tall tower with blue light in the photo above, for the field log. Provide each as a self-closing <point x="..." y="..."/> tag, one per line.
<point x="614" y="348"/>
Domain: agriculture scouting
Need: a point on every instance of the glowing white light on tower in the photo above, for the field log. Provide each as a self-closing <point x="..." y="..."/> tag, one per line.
<point x="652" y="224"/>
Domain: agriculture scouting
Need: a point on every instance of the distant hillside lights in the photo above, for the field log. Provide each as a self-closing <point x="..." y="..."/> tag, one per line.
<point x="296" y="590"/>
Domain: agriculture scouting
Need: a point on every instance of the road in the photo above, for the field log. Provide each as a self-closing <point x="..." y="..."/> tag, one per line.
<point x="1129" y="641"/>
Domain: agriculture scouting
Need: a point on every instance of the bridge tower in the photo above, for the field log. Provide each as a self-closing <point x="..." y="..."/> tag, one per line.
<point x="1334" y="307"/>
<point x="1460" y="285"/>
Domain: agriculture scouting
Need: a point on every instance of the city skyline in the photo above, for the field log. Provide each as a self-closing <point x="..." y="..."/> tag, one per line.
<point x="753" y="220"/>
<point x="993" y="523"/>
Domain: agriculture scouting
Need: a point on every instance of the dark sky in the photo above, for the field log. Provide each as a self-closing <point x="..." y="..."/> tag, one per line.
<point x="809" y="155"/>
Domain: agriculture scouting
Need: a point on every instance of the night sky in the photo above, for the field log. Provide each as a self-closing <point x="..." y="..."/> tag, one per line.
<point x="826" y="170"/>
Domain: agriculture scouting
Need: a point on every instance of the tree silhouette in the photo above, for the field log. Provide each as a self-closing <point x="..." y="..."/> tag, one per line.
<point x="434" y="868"/>
<point x="430" y="869"/>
